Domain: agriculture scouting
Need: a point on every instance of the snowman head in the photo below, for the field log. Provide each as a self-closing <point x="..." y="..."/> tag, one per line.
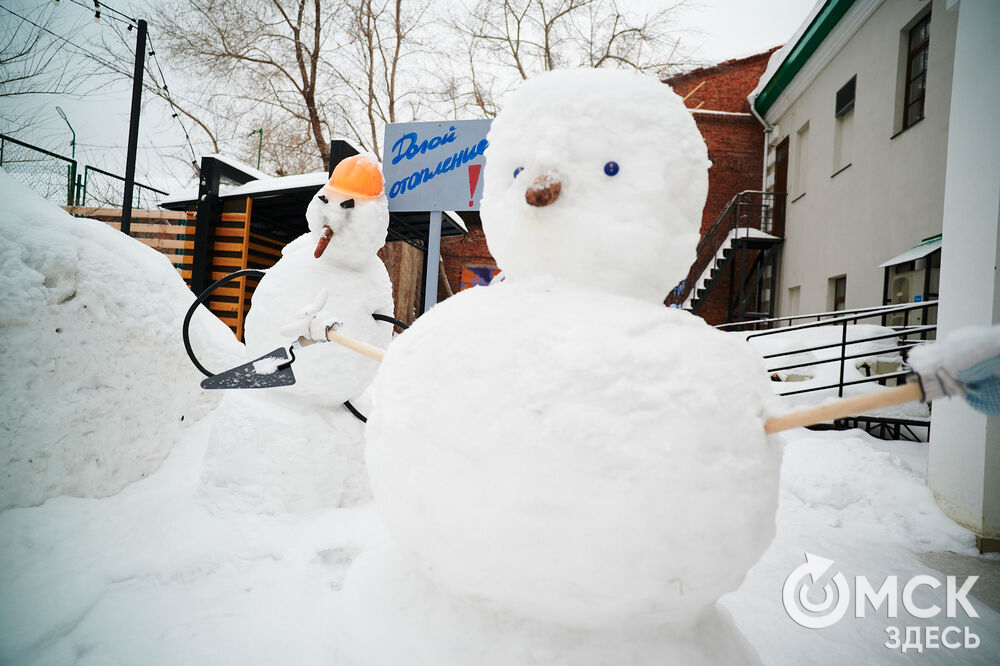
<point x="597" y="177"/>
<point x="349" y="216"/>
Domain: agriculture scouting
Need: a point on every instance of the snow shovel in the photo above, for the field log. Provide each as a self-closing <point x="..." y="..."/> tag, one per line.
<point x="270" y="370"/>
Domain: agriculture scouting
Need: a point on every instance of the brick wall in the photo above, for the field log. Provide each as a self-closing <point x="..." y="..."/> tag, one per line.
<point x="734" y="139"/>
<point x="460" y="251"/>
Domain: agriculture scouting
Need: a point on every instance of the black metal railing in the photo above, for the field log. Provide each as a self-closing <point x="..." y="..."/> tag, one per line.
<point x="898" y="342"/>
<point x="890" y="315"/>
<point x="750" y="209"/>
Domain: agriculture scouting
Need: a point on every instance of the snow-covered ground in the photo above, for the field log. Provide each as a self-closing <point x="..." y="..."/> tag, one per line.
<point x="153" y="576"/>
<point x="153" y="570"/>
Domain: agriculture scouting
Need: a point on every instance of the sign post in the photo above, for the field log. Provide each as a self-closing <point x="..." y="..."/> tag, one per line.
<point x="433" y="167"/>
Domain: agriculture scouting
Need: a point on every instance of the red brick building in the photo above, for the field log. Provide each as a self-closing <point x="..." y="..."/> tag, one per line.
<point x="717" y="97"/>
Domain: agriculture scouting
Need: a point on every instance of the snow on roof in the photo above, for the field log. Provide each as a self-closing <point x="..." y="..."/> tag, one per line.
<point x="264" y="184"/>
<point x="240" y="166"/>
<point x="925" y="247"/>
<point x="779" y="56"/>
<point x="274" y="185"/>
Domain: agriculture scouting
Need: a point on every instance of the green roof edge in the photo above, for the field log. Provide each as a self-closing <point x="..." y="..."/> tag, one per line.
<point x="818" y="30"/>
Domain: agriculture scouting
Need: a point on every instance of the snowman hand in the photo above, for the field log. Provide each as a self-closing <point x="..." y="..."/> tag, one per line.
<point x="966" y="364"/>
<point x="313" y="323"/>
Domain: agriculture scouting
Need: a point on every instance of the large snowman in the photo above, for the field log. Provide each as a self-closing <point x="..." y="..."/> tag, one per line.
<point x="561" y="445"/>
<point x="298" y="446"/>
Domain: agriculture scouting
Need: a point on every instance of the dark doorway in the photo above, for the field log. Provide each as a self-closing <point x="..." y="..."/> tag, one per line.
<point x="780" y="183"/>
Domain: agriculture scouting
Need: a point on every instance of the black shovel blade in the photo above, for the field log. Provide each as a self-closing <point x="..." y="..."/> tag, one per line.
<point x="268" y="371"/>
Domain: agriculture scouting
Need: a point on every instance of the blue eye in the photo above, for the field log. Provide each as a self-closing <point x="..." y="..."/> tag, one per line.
<point x="611" y="168"/>
<point x="517" y="171"/>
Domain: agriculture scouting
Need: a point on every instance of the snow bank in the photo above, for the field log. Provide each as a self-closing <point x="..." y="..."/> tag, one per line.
<point x="93" y="374"/>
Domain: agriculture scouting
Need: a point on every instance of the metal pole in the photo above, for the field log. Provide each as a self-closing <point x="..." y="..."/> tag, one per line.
<point x="260" y="143"/>
<point x="433" y="258"/>
<point x="843" y="355"/>
<point x="133" y="127"/>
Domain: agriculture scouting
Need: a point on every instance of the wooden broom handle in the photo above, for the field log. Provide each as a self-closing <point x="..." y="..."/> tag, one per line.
<point x="841" y="408"/>
<point x="846" y="407"/>
<point x="362" y="348"/>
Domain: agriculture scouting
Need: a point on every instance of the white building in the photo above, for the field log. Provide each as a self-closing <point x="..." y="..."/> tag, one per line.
<point x="883" y="133"/>
<point x="860" y="152"/>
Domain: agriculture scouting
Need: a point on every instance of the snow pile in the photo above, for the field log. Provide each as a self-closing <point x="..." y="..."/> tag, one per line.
<point x="613" y="442"/>
<point x="631" y="228"/>
<point x="93" y="374"/>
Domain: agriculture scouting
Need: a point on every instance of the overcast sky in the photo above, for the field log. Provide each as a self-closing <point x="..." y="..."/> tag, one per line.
<point x="716" y="30"/>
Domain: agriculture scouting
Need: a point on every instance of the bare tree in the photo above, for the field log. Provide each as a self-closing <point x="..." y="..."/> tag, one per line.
<point x="379" y="39"/>
<point x="36" y="60"/>
<point x="514" y="39"/>
<point x="256" y="59"/>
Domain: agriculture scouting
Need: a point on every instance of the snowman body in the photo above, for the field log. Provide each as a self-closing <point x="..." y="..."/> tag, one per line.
<point x="562" y="446"/>
<point x="298" y="447"/>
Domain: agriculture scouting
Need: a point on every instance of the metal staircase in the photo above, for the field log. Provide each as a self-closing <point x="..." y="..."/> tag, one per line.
<point x="740" y="253"/>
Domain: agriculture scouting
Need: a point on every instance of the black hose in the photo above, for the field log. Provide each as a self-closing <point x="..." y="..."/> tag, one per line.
<point x="201" y="298"/>
<point x="253" y="272"/>
<point x="354" y="410"/>
<point x="391" y="320"/>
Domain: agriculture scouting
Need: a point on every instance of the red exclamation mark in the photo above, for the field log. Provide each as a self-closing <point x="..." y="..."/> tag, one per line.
<point x="474" y="170"/>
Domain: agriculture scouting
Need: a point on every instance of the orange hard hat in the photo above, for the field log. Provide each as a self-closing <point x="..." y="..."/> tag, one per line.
<point x="357" y="177"/>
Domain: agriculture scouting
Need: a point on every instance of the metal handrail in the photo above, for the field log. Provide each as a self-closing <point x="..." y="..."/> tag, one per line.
<point x="851" y="317"/>
<point x="836" y="316"/>
<point x="729" y="220"/>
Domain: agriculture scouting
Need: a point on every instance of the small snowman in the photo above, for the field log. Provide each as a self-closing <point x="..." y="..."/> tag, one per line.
<point x="562" y="446"/>
<point x="298" y="446"/>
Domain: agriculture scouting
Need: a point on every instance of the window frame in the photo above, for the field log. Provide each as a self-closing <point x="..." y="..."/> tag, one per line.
<point x="912" y="51"/>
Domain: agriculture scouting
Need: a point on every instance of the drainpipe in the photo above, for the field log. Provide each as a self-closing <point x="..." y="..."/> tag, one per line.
<point x="767" y="137"/>
<point x="772" y="306"/>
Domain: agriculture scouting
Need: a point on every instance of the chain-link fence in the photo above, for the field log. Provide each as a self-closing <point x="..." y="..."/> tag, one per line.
<point x="50" y="175"/>
<point x="58" y="179"/>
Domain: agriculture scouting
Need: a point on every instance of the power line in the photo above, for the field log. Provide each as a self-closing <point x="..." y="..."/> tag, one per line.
<point x="97" y="11"/>
<point x="131" y="21"/>
<point x="128" y="20"/>
<point x="42" y="27"/>
<point x="166" y="92"/>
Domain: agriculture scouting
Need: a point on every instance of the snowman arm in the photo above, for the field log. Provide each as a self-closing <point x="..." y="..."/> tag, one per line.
<point x="314" y="323"/>
<point x="965" y="364"/>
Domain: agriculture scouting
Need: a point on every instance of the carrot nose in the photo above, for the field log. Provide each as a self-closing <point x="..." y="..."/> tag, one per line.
<point x="543" y="191"/>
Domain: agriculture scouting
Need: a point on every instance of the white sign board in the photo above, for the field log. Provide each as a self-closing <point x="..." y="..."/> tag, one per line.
<point x="434" y="165"/>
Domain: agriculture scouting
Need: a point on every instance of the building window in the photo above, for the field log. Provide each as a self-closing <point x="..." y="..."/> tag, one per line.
<point x="918" y="47"/>
<point x="801" y="158"/>
<point x="793" y="300"/>
<point x="845" y="97"/>
<point x="837" y="293"/>
<point x="843" y="128"/>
